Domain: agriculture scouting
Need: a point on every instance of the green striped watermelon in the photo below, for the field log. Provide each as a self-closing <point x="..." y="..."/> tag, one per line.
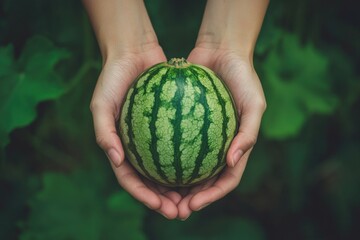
<point x="177" y="122"/>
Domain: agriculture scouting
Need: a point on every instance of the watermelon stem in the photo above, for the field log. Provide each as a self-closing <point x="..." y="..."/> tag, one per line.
<point x="178" y="62"/>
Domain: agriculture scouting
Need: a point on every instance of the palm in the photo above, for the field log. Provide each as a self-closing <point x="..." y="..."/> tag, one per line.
<point x="119" y="73"/>
<point x="243" y="82"/>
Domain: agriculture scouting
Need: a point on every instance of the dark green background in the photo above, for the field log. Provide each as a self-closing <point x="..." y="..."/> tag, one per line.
<point x="301" y="182"/>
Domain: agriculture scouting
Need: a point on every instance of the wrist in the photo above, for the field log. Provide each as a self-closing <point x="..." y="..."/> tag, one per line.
<point x="221" y="42"/>
<point x="121" y="26"/>
<point x="232" y="25"/>
<point x="120" y="46"/>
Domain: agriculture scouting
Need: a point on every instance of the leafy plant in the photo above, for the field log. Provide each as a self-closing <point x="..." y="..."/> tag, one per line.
<point x="72" y="206"/>
<point x="27" y="81"/>
<point x="297" y="86"/>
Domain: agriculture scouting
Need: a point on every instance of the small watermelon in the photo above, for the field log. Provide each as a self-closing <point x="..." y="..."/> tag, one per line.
<point x="177" y="122"/>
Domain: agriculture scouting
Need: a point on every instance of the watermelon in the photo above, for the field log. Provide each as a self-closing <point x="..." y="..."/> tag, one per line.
<point x="177" y="122"/>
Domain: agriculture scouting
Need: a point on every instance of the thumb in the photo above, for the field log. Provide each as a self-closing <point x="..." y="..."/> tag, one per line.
<point x="246" y="137"/>
<point x="105" y="131"/>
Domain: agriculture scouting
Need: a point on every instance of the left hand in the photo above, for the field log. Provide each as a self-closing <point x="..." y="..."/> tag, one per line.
<point x="239" y="75"/>
<point x="116" y="77"/>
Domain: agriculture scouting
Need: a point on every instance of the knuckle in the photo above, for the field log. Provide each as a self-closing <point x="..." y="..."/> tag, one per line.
<point x="94" y="105"/>
<point x="249" y="139"/>
<point x="101" y="141"/>
<point x="252" y="140"/>
<point x="233" y="182"/>
<point x="264" y="105"/>
<point x="261" y="104"/>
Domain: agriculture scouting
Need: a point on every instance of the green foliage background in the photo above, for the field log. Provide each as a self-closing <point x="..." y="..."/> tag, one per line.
<point x="302" y="180"/>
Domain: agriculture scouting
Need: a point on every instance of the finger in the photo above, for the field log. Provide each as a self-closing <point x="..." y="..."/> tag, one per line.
<point x="173" y="196"/>
<point x="183" y="207"/>
<point x="168" y="209"/>
<point x="227" y="181"/>
<point x="133" y="184"/>
<point x="105" y="132"/>
<point x="246" y="136"/>
<point x="146" y="192"/>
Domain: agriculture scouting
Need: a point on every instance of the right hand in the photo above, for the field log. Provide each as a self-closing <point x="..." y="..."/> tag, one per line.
<point x="238" y="73"/>
<point x="116" y="77"/>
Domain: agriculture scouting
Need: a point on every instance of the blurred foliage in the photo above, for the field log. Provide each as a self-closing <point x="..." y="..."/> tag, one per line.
<point x="295" y="88"/>
<point x="225" y="227"/>
<point x="301" y="181"/>
<point x="70" y="205"/>
<point x="24" y="85"/>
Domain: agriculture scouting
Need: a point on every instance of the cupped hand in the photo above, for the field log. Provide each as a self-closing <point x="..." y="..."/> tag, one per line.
<point x="239" y="75"/>
<point x="117" y="75"/>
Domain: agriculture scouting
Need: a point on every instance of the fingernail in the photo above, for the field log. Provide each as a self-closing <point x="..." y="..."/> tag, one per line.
<point x="162" y="214"/>
<point x="147" y="205"/>
<point x="202" y="207"/>
<point x="236" y="157"/>
<point x="184" y="219"/>
<point x="114" y="156"/>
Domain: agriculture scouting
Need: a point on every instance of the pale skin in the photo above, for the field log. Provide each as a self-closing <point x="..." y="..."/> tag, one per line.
<point x="129" y="45"/>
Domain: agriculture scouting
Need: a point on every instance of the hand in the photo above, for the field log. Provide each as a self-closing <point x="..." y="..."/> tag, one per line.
<point x="117" y="75"/>
<point x="239" y="75"/>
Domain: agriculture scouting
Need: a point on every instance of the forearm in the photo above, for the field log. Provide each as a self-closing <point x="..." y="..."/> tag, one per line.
<point x="121" y="26"/>
<point x="232" y="24"/>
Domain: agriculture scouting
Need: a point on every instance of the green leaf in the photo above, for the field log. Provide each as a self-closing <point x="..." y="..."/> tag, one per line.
<point x="26" y="82"/>
<point x="74" y="207"/>
<point x="297" y="86"/>
<point x="207" y="228"/>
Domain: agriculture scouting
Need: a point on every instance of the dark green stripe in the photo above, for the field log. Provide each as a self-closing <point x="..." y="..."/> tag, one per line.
<point x="132" y="146"/>
<point x="204" y="149"/>
<point x="222" y="103"/>
<point x="179" y="95"/>
<point x="152" y="72"/>
<point x="153" y="145"/>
